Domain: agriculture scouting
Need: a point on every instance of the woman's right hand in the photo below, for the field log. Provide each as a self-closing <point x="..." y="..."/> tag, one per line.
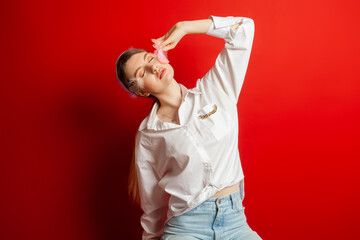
<point x="172" y="37"/>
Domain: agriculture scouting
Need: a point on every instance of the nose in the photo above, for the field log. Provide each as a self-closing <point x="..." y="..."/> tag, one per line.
<point x="154" y="68"/>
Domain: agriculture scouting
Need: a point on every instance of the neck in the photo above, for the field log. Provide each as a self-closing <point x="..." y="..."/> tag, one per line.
<point x="171" y="98"/>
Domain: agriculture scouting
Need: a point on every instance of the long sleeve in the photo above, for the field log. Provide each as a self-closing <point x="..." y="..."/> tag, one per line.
<point x="230" y="67"/>
<point x="153" y="198"/>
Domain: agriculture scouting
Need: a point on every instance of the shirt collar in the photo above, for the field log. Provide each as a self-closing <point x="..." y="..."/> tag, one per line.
<point x="152" y="122"/>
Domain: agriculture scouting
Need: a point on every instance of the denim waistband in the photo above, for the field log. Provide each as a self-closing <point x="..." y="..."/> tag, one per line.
<point x="224" y="200"/>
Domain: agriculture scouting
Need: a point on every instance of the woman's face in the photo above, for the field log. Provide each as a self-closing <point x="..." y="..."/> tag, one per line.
<point x="148" y="74"/>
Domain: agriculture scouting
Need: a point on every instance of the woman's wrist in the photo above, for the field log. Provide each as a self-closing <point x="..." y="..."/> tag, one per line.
<point x="196" y="26"/>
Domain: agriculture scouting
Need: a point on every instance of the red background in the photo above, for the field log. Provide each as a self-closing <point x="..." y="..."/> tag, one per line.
<point x="68" y="128"/>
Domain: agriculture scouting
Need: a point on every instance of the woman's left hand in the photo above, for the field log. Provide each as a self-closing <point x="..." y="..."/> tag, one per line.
<point x="172" y="37"/>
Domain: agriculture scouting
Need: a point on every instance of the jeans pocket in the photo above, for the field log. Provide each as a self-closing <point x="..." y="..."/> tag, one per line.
<point x="238" y="205"/>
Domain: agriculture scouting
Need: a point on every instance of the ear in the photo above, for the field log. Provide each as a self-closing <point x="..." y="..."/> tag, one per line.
<point x="142" y="94"/>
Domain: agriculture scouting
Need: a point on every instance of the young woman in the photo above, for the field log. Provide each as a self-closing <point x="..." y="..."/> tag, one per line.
<point x="186" y="165"/>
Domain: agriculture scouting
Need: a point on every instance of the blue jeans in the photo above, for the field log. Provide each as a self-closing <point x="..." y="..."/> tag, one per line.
<point x="217" y="218"/>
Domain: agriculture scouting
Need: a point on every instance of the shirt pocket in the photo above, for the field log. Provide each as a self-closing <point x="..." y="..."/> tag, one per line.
<point x="215" y="119"/>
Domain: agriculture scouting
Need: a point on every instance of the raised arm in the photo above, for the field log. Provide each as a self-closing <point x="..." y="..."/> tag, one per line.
<point x="196" y="26"/>
<point x="180" y="29"/>
<point x="201" y="26"/>
<point x="228" y="73"/>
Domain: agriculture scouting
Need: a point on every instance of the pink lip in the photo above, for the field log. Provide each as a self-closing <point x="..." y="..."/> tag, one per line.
<point x="162" y="73"/>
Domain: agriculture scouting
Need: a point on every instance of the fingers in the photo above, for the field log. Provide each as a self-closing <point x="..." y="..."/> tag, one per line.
<point x="167" y="47"/>
<point x="155" y="40"/>
<point x="170" y="39"/>
<point x="168" y="44"/>
<point x="165" y="42"/>
<point x="164" y="45"/>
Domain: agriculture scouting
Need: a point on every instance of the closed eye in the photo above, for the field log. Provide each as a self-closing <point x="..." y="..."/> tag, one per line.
<point x="149" y="61"/>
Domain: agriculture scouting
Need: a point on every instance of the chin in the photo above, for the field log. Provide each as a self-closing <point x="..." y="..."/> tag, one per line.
<point x="170" y="74"/>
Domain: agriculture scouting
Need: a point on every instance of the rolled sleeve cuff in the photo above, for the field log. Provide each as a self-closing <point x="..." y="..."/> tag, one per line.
<point x="241" y="38"/>
<point x="219" y="26"/>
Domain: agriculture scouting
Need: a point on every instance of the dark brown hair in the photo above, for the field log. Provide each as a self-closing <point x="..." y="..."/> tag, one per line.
<point x="120" y="66"/>
<point x="133" y="187"/>
<point x="120" y="70"/>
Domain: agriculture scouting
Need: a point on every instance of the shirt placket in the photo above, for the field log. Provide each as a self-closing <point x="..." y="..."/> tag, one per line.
<point x="190" y="133"/>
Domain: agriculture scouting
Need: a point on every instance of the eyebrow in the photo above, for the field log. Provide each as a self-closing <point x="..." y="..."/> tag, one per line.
<point x="140" y="66"/>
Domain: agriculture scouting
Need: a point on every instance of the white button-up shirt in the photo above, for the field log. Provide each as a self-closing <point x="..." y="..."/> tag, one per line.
<point x="181" y="166"/>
